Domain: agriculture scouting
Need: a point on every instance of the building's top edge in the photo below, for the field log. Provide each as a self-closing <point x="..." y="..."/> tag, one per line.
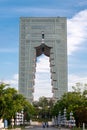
<point x="40" y="17"/>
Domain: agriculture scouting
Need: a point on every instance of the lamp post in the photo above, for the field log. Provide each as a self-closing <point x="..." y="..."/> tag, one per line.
<point x="65" y="117"/>
<point x="59" y="119"/>
<point x="19" y="118"/>
<point x="12" y="122"/>
<point x="72" y="120"/>
<point x="22" y="117"/>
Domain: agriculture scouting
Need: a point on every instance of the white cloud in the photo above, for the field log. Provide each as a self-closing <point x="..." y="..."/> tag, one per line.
<point x="82" y="3"/>
<point x="32" y="11"/>
<point x="77" y="35"/>
<point x="39" y="10"/>
<point x="42" y="89"/>
<point x="43" y="82"/>
<point x="43" y="64"/>
<point x="12" y="82"/>
<point x="8" y="50"/>
<point x="3" y="0"/>
<point x="77" y="30"/>
<point x="73" y="79"/>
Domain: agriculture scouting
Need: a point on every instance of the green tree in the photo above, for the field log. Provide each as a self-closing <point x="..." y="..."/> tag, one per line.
<point x="43" y="108"/>
<point x="72" y="101"/>
<point x="12" y="102"/>
<point x="81" y="115"/>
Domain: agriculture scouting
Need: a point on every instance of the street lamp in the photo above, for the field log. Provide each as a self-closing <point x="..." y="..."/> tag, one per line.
<point x="72" y="120"/>
<point x="59" y="119"/>
<point x="12" y="122"/>
<point x="65" y="117"/>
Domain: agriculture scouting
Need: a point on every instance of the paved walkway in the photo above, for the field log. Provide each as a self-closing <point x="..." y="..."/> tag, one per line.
<point x="41" y="128"/>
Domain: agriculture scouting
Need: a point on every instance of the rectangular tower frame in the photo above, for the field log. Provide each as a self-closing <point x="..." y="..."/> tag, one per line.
<point x="55" y="37"/>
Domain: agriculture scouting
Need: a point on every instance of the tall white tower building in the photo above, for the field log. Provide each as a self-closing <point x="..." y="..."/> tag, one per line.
<point x="43" y="35"/>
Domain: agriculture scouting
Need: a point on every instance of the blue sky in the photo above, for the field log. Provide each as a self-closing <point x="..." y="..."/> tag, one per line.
<point x="76" y="13"/>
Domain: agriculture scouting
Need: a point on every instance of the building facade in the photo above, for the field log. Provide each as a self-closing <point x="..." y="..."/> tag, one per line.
<point x="43" y="35"/>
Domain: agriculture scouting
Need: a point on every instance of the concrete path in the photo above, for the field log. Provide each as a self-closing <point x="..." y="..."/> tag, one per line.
<point x="41" y="128"/>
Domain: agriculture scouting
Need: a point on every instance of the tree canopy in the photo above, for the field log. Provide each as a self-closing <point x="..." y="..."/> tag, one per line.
<point x="43" y="108"/>
<point x="11" y="102"/>
<point x="75" y="102"/>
